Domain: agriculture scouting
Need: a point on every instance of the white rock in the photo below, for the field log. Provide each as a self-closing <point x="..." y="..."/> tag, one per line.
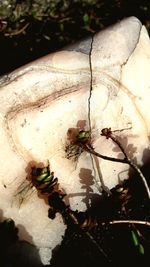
<point x="42" y="100"/>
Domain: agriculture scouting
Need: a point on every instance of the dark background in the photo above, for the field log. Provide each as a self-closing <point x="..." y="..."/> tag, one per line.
<point x="33" y="28"/>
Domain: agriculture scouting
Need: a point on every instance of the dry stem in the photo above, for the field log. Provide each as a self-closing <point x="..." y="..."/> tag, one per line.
<point x="126" y="159"/>
<point x="130" y="222"/>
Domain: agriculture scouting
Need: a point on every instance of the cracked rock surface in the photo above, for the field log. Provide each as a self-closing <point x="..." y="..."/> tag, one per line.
<point x="99" y="82"/>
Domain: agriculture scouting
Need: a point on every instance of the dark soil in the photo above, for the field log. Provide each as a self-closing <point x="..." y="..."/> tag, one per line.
<point x="110" y="245"/>
<point x="115" y="240"/>
<point x="33" y="28"/>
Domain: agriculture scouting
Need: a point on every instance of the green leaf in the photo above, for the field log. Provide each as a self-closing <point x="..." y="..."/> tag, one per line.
<point x="137" y="243"/>
<point x="141" y="249"/>
<point x="86" y="20"/>
<point x="62" y="27"/>
<point x="135" y="239"/>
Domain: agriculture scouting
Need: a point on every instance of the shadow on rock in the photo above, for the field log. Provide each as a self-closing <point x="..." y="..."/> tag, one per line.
<point x="14" y="252"/>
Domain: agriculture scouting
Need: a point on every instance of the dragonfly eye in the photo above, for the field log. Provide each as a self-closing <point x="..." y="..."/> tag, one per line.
<point x="40" y="171"/>
<point x="36" y="171"/>
<point x="83" y="136"/>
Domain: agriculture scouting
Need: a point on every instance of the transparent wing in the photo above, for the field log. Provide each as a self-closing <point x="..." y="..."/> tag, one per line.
<point x="23" y="193"/>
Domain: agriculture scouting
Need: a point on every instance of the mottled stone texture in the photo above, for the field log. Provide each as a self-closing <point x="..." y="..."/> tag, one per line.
<point x="101" y="82"/>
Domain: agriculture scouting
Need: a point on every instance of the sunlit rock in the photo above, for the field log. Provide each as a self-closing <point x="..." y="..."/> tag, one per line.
<point x="100" y="82"/>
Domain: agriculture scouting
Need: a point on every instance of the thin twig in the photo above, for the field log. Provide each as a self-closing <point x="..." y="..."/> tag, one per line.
<point x="125" y="160"/>
<point x="74" y="220"/>
<point x="91" y="150"/>
<point x="17" y="32"/>
<point x="132" y="164"/>
<point x="129" y="222"/>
